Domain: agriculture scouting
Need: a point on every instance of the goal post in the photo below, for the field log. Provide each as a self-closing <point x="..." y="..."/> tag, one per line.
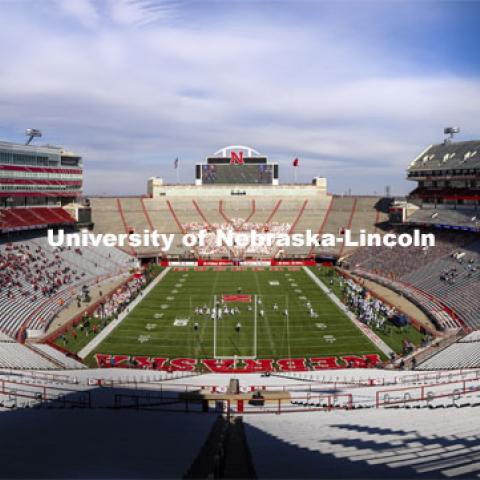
<point x="225" y="333"/>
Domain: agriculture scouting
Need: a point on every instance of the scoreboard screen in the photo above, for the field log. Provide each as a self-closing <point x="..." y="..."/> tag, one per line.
<point x="226" y="174"/>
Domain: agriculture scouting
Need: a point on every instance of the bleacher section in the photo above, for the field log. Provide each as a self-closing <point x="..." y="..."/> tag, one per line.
<point x="15" y="355"/>
<point x="12" y="219"/>
<point x="238" y="208"/>
<point x="455" y="281"/>
<point x="105" y="215"/>
<point x="397" y="425"/>
<point x="449" y="272"/>
<point x="373" y="444"/>
<point x="134" y="214"/>
<point x="160" y="216"/>
<point x="465" y="353"/>
<point x="210" y="209"/>
<point x="58" y="357"/>
<point x="431" y="306"/>
<point x="340" y="214"/>
<point x="397" y="261"/>
<point x="40" y="280"/>
<point x="175" y="214"/>
<point x="265" y="210"/>
<point x="458" y="355"/>
<point x="465" y="218"/>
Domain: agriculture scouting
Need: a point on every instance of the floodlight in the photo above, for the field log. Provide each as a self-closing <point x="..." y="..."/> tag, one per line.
<point x="451" y="131"/>
<point x="31" y="133"/>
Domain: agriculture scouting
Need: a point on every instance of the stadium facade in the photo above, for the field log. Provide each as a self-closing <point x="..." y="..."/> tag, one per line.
<point x="447" y="194"/>
<point x="39" y="186"/>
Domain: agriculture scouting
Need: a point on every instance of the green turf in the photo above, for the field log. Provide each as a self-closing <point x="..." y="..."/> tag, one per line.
<point x="393" y="336"/>
<point x="149" y="329"/>
<point x="74" y="342"/>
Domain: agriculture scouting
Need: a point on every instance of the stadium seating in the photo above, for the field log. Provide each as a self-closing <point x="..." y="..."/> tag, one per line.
<point x="441" y="216"/>
<point x="341" y="211"/>
<point x="397" y="261"/>
<point x="134" y="214"/>
<point x="458" y="355"/>
<point x="20" y="218"/>
<point x="208" y="209"/>
<point x="58" y="357"/>
<point x="450" y="271"/>
<point x="237" y="208"/>
<point x="160" y="216"/>
<point x="455" y="281"/>
<point x="465" y="353"/>
<point x="105" y="215"/>
<point x="373" y="444"/>
<point x="177" y="214"/>
<point x="15" y="355"/>
<point x="432" y="306"/>
<point x="39" y="280"/>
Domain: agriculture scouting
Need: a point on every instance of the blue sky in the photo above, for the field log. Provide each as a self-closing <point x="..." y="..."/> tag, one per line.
<point x="354" y="89"/>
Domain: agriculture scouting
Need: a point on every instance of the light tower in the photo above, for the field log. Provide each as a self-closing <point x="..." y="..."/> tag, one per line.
<point x="451" y="131"/>
<point x="31" y="133"/>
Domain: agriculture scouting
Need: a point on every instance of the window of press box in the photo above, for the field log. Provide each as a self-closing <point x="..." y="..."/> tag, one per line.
<point x="70" y="161"/>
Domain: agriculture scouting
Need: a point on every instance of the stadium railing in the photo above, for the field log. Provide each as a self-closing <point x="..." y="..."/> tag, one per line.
<point x="45" y="393"/>
<point x="422" y="393"/>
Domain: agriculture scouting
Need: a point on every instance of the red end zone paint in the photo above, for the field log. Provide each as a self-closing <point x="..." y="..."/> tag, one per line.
<point x="244" y="366"/>
<point x="243" y="298"/>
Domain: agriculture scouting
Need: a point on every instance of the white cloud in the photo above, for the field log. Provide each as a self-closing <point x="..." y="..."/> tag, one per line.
<point x="141" y="12"/>
<point x="132" y="99"/>
<point x="83" y="11"/>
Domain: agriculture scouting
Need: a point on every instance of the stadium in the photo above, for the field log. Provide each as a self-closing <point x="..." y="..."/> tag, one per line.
<point x="258" y="360"/>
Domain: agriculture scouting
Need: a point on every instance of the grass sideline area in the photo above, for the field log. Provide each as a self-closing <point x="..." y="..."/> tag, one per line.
<point x="163" y="323"/>
<point x="85" y="330"/>
<point x="393" y="336"/>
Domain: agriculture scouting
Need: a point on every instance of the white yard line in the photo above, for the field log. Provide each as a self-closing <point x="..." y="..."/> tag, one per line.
<point x="87" y="349"/>
<point x="372" y="336"/>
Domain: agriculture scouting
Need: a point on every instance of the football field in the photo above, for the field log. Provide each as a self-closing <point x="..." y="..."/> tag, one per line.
<point x="225" y="312"/>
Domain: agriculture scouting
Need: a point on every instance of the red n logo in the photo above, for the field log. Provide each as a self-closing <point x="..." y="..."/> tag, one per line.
<point x="236" y="158"/>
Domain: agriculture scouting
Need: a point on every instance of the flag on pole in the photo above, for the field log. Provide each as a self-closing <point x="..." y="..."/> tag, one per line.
<point x="175" y="163"/>
<point x="295" y="162"/>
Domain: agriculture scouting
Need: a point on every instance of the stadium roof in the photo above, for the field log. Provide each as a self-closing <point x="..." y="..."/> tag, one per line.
<point x="45" y="149"/>
<point x="448" y="156"/>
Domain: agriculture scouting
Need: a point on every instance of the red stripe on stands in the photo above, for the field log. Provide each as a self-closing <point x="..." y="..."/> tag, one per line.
<point x="299" y="216"/>
<point x="147" y="216"/>
<point x="252" y="212"/>
<point x="274" y="211"/>
<point x="222" y="213"/>
<point x="18" y="218"/>
<point x="199" y="210"/>
<point x="38" y="181"/>
<point x="17" y="168"/>
<point x="349" y="225"/>
<point x="40" y="193"/>
<point x="125" y="226"/>
<point x="324" y="222"/>
<point x="175" y="218"/>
